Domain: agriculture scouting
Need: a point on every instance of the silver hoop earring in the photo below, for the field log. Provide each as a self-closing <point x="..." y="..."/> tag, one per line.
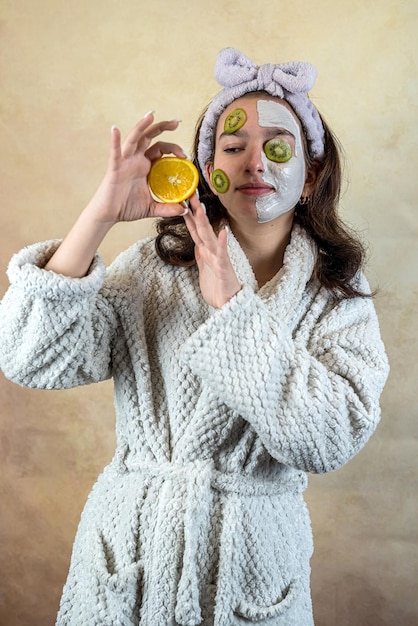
<point x="303" y="200"/>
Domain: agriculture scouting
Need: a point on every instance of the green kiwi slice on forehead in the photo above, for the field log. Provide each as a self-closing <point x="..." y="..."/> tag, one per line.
<point x="277" y="150"/>
<point x="220" y="181"/>
<point x="235" y="120"/>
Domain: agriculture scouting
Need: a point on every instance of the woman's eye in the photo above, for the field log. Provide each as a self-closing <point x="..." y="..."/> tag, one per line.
<point x="232" y="150"/>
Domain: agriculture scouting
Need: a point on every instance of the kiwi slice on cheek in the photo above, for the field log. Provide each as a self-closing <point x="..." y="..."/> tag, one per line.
<point x="277" y="150"/>
<point x="235" y="120"/>
<point x="220" y="181"/>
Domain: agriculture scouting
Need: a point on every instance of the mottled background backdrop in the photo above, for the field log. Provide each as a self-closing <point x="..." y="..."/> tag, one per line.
<point x="71" y="69"/>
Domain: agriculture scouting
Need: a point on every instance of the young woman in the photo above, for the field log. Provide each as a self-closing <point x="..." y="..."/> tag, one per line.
<point x="245" y="352"/>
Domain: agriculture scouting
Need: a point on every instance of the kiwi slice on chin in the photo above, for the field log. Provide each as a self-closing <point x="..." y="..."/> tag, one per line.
<point x="220" y="181"/>
<point x="235" y="120"/>
<point x="278" y="150"/>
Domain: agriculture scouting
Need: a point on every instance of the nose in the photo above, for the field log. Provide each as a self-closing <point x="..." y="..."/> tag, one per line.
<point x="254" y="163"/>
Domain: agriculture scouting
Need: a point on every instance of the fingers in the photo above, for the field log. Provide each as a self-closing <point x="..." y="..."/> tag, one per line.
<point x="200" y="228"/>
<point x="140" y="137"/>
<point x="153" y="131"/>
<point x="162" y="209"/>
<point x="115" y="148"/>
<point x="131" y="142"/>
<point x="192" y="228"/>
<point x="223" y="238"/>
<point x="161" y="148"/>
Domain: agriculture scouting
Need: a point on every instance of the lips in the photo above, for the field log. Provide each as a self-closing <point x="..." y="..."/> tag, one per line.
<point x="255" y="189"/>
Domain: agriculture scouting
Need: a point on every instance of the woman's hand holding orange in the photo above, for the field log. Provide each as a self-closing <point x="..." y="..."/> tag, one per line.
<point x="123" y="194"/>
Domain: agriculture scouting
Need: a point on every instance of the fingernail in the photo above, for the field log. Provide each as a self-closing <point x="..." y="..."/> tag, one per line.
<point x="178" y="121"/>
<point x="113" y="128"/>
<point x="203" y="207"/>
<point x="149" y="113"/>
<point x="186" y="210"/>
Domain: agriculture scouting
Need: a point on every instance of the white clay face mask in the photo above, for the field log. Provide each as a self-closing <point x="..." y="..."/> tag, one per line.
<point x="287" y="178"/>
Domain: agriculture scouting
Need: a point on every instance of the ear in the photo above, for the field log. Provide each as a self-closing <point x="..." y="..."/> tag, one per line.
<point x="311" y="178"/>
<point x="209" y="172"/>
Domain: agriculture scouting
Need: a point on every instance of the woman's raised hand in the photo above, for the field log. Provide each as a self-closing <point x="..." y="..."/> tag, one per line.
<point x="218" y="280"/>
<point x="123" y="194"/>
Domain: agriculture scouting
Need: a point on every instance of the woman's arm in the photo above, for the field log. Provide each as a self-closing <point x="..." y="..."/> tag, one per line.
<point x="55" y="331"/>
<point x="314" y="403"/>
<point x="57" y="326"/>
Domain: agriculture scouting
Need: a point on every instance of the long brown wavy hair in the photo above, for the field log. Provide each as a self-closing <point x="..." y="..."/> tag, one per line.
<point x="340" y="253"/>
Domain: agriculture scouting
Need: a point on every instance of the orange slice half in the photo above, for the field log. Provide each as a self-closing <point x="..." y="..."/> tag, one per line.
<point x="172" y="179"/>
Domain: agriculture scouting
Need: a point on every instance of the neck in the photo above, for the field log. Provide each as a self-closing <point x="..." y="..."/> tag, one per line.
<point x="264" y="244"/>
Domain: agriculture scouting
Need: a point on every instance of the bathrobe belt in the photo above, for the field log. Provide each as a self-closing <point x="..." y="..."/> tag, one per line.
<point x="199" y="478"/>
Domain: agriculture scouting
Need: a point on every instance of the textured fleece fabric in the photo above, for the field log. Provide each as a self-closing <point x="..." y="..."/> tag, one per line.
<point x="200" y="517"/>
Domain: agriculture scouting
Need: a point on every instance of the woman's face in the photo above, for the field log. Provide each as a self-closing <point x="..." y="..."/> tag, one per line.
<point x="258" y="171"/>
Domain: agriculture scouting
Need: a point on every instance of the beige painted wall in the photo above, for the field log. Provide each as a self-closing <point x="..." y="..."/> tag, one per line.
<point x="71" y="69"/>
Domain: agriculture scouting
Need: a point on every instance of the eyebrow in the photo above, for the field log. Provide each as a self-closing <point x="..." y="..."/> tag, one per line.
<point x="274" y="131"/>
<point x="238" y="133"/>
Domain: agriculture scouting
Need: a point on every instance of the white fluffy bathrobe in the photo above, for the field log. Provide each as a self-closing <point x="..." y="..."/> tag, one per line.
<point x="199" y="518"/>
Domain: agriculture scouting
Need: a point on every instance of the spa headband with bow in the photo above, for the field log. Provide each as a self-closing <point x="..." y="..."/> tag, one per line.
<point x="239" y="76"/>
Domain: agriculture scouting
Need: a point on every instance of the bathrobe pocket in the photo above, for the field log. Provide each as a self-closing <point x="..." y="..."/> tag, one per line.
<point x="113" y="593"/>
<point x="272" y="548"/>
<point x="251" y="613"/>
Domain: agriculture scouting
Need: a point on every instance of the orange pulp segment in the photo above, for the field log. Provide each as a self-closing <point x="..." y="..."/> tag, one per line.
<point x="172" y="180"/>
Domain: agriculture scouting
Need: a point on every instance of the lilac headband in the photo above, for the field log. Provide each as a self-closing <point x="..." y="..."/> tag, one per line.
<point x="239" y="76"/>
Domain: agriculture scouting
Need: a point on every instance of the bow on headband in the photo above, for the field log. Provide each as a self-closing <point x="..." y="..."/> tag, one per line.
<point x="239" y="75"/>
<point x="233" y="68"/>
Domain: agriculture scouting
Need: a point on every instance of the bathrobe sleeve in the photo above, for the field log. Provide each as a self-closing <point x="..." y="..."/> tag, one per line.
<point x="55" y="332"/>
<point x="312" y="394"/>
